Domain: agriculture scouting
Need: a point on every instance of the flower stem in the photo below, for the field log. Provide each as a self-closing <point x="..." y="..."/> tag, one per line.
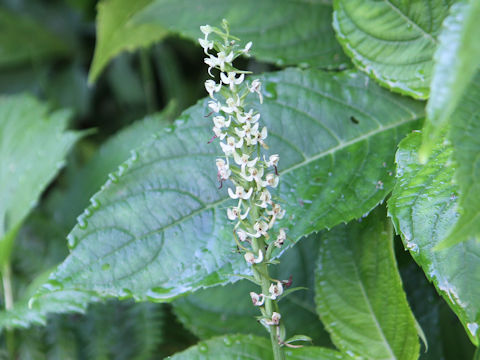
<point x="8" y="298"/>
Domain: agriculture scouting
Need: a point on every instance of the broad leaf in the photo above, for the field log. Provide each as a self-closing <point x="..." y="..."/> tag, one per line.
<point x="116" y="32"/>
<point x="392" y="41"/>
<point x="209" y="312"/>
<point x="284" y="32"/>
<point x="249" y="347"/>
<point x="359" y="292"/>
<point x="86" y="181"/>
<point x="33" y="145"/>
<point x="158" y="228"/>
<point x="22" y="40"/>
<point x="423" y="208"/>
<point x="465" y="135"/>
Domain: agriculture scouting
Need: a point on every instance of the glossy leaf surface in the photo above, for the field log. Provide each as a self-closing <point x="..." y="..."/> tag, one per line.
<point x="359" y="292"/>
<point x="282" y="31"/>
<point x="423" y="208"/>
<point x="33" y="145"/>
<point x="392" y="41"/>
<point x="116" y="32"/>
<point x="210" y="313"/>
<point x="249" y="347"/>
<point x="158" y="228"/>
<point x="465" y="138"/>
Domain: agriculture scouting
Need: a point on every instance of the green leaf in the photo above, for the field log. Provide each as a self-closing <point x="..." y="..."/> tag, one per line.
<point x="359" y="292"/>
<point x="158" y="228"/>
<point x="24" y="315"/>
<point x="249" y="347"/>
<point x="392" y="41"/>
<point x="464" y="135"/>
<point x="86" y="181"/>
<point x="423" y="208"/>
<point x="22" y="40"/>
<point x="282" y="31"/>
<point x="456" y="61"/>
<point x="209" y="312"/>
<point x="117" y="33"/>
<point x="33" y="145"/>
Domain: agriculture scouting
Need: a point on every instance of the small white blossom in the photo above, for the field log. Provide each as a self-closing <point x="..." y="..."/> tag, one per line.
<point x="244" y="161"/>
<point x="256" y="88"/>
<point x="242" y="235"/>
<point x="240" y="193"/>
<point x="214" y="105"/>
<point x="206" y="29"/>
<point x="275" y="290"/>
<point x="255" y="174"/>
<point x="275" y="319"/>
<point x="257" y="299"/>
<point x="231" y="80"/>
<point x="206" y="45"/>
<point x="276" y="213"/>
<point x="259" y="137"/>
<point x="261" y="228"/>
<point x="235" y="213"/>
<point x="232" y="106"/>
<point x="212" y="87"/>
<point x="280" y="238"/>
<point x="248" y="117"/>
<point x="250" y="257"/>
<point x="271" y="180"/>
<point x="224" y="171"/>
<point x="223" y="59"/>
<point x="231" y="145"/>
<point x="220" y="122"/>
<point x="265" y="198"/>
<point x="247" y="48"/>
<point x="272" y="160"/>
<point x="219" y="133"/>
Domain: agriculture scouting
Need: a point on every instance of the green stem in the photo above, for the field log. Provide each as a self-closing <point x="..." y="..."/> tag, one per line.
<point x="8" y="298"/>
<point x="148" y="83"/>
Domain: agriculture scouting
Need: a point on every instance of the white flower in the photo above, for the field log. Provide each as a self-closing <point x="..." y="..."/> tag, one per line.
<point x="224" y="171"/>
<point x="235" y="213"/>
<point x="206" y="29"/>
<point x="255" y="174"/>
<point x="257" y="299"/>
<point x="272" y="160"/>
<point x="232" y="105"/>
<point x="247" y="48"/>
<point x="261" y="228"/>
<point x="276" y="213"/>
<point x="271" y="180"/>
<point x="255" y="88"/>
<point x="212" y="87"/>
<point x="275" y="319"/>
<point x="214" y="105"/>
<point x="231" y="80"/>
<point x="244" y="161"/>
<point x="249" y="117"/>
<point x="231" y="145"/>
<point x="242" y="235"/>
<point x="240" y="193"/>
<point x="211" y="61"/>
<point x="265" y="198"/>
<point x="280" y="238"/>
<point x="206" y="45"/>
<point x="223" y="59"/>
<point x="249" y="133"/>
<point x="260" y="136"/>
<point x="218" y="133"/>
<point x="220" y="121"/>
<point x="275" y="290"/>
<point x="250" y="257"/>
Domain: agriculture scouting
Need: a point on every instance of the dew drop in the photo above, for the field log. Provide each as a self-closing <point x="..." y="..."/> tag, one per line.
<point x="203" y="348"/>
<point x="227" y="341"/>
<point x="71" y="241"/>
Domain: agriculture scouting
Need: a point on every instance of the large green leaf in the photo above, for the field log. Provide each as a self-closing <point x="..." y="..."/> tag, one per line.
<point x="284" y="32"/>
<point x="116" y="32"/>
<point x="456" y="59"/>
<point x="465" y="135"/>
<point x="209" y="312"/>
<point x="23" y="40"/>
<point x="249" y="347"/>
<point x="33" y="145"/>
<point x="158" y="227"/>
<point x="359" y="292"/>
<point x="423" y="208"/>
<point x="392" y="41"/>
